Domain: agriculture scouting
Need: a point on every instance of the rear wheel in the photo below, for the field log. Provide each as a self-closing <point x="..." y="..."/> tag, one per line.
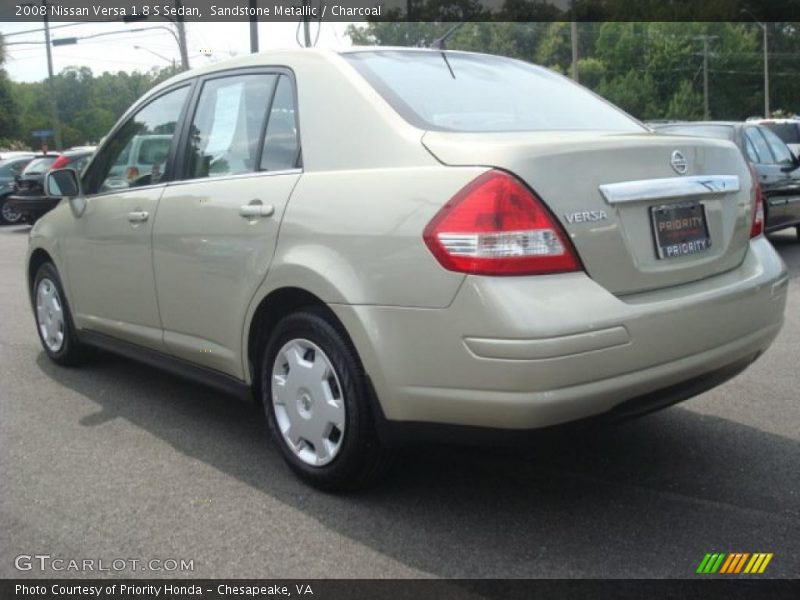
<point x="317" y="402"/>
<point x="53" y="319"/>
<point x="8" y="214"/>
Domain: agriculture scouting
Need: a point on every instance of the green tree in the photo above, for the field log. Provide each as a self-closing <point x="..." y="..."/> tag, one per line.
<point x="686" y="103"/>
<point x="9" y="111"/>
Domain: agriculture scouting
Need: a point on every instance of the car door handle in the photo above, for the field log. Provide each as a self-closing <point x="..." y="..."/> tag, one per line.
<point x="256" y="209"/>
<point x="138" y="216"/>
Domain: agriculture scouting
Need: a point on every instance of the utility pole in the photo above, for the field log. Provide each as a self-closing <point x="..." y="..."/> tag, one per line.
<point x="573" y="30"/>
<point x="306" y="24"/>
<point x="766" y="72"/>
<point x="253" y="27"/>
<point x="706" y="112"/>
<point x="706" y="39"/>
<point x="574" y="36"/>
<point x="765" y="43"/>
<point x="181" y="26"/>
<point x="50" y="82"/>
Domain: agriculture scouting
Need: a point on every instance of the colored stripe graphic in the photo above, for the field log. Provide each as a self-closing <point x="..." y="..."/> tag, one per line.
<point x="703" y="563"/>
<point x="711" y="563"/>
<point x="733" y="563"/>
<point x="727" y="564"/>
<point x="759" y="562"/>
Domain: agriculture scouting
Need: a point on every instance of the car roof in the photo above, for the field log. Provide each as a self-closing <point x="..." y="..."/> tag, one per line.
<point x="76" y="153"/>
<point x="782" y="120"/>
<point x="289" y="56"/>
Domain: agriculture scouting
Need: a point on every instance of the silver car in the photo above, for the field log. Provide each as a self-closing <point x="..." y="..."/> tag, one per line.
<point x="386" y="245"/>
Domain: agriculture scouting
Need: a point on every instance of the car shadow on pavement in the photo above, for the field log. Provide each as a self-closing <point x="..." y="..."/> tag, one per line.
<point x="788" y="246"/>
<point x="606" y="502"/>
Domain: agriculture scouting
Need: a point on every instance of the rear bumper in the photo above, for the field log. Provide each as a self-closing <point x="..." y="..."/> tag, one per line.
<point x="526" y="353"/>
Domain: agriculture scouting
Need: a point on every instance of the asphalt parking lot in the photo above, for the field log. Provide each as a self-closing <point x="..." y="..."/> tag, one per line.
<point x="118" y="460"/>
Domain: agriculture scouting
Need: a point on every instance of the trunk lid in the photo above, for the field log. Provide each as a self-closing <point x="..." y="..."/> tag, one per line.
<point x="612" y="227"/>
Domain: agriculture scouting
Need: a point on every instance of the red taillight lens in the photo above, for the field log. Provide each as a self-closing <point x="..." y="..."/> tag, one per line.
<point x="497" y="226"/>
<point x="61" y="162"/>
<point x="757" y="224"/>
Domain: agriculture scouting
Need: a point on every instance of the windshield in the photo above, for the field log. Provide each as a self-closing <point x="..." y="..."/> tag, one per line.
<point x="12" y="166"/>
<point x="788" y="132"/>
<point x="39" y="165"/>
<point x="453" y="91"/>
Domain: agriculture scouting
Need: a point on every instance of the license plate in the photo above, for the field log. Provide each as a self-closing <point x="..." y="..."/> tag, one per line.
<point x="680" y="229"/>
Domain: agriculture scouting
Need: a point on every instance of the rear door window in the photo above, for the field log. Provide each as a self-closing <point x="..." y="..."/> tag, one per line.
<point x="225" y="135"/>
<point x="281" y="142"/>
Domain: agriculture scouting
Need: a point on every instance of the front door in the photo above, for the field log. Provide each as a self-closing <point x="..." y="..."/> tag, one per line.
<point x="108" y="252"/>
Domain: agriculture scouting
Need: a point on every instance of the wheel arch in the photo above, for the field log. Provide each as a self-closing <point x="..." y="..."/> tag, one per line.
<point x="38" y="257"/>
<point x="277" y="304"/>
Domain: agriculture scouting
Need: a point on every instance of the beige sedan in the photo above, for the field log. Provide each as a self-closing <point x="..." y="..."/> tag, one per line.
<point x="385" y="245"/>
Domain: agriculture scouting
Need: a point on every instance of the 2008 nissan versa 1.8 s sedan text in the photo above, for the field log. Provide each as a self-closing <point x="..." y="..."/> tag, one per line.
<point x="385" y="244"/>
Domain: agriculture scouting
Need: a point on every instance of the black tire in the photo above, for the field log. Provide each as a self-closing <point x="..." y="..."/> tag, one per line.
<point x="4" y="214"/>
<point x="797" y="229"/>
<point x="71" y="351"/>
<point x="361" y="459"/>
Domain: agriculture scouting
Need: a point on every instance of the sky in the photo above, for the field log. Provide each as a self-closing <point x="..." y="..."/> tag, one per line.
<point x="141" y="50"/>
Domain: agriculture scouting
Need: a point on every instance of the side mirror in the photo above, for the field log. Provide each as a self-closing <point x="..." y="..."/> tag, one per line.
<point x="62" y="183"/>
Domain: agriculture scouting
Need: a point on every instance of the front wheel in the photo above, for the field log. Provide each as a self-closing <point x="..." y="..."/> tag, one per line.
<point x="8" y="214"/>
<point x="317" y="402"/>
<point x="54" y="320"/>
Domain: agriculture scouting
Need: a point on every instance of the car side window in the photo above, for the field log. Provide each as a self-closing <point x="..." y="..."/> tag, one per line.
<point x="281" y="142"/>
<point x="227" y="125"/>
<point x="763" y="155"/>
<point x="138" y="152"/>
<point x="779" y="149"/>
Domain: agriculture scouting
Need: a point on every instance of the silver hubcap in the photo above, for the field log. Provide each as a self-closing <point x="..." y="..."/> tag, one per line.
<point x="308" y="402"/>
<point x="9" y="214"/>
<point x="50" y="315"/>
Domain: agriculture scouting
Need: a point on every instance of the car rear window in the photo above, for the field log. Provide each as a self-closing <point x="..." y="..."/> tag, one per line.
<point x="454" y="91"/>
<point x="788" y="132"/>
<point x="39" y="165"/>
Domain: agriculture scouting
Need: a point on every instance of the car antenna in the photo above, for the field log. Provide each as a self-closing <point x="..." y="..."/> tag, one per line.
<point x="440" y="43"/>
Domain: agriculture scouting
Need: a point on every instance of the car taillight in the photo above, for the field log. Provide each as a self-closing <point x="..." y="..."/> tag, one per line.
<point x="496" y="226"/>
<point x="61" y="162"/>
<point x="757" y="224"/>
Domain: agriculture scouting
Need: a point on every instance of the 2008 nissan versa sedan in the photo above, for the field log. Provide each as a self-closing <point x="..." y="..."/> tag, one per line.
<point x="392" y="244"/>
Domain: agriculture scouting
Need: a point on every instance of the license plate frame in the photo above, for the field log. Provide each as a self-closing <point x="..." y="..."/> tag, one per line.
<point x="679" y="229"/>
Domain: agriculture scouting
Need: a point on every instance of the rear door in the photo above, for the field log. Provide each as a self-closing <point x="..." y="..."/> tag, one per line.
<point x="217" y="229"/>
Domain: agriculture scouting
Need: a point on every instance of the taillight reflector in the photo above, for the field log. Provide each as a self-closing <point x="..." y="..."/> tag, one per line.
<point x="61" y="162"/>
<point x="496" y="226"/>
<point x="757" y="223"/>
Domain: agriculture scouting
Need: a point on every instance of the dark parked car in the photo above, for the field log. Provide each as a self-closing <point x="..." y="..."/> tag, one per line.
<point x="28" y="197"/>
<point x="778" y="169"/>
<point x="9" y="170"/>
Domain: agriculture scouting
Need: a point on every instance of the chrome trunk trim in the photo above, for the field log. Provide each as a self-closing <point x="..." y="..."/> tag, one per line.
<point x="669" y="187"/>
